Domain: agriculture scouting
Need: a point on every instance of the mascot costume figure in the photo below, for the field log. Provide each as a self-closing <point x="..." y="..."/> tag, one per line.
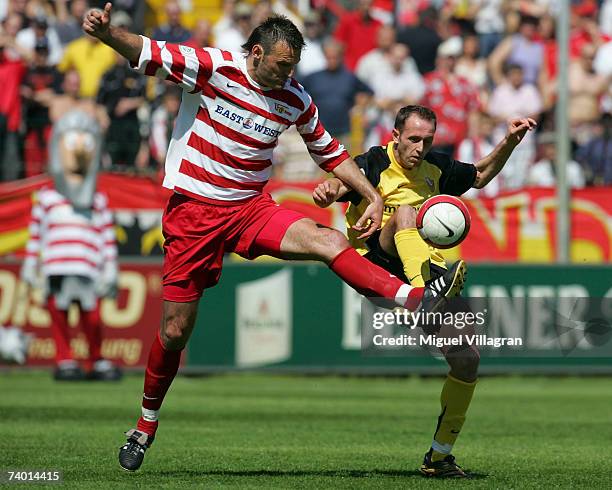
<point x="72" y="245"/>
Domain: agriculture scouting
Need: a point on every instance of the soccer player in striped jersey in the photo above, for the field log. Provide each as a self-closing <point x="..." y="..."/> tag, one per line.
<point x="72" y="243"/>
<point x="406" y="173"/>
<point x="234" y="107"/>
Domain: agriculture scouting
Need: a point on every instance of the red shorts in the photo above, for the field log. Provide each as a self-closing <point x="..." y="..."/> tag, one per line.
<point x="197" y="234"/>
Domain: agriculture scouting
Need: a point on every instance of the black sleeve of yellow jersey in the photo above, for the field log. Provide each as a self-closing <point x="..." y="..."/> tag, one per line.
<point x="457" y="177"/>
<point x="372" y="164"/>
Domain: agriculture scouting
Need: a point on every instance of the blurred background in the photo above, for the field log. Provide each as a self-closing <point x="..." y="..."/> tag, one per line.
<point x="477" y="63"/>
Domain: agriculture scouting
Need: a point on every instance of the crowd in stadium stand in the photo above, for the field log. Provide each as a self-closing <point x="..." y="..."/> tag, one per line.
<point x="475" y="62"/>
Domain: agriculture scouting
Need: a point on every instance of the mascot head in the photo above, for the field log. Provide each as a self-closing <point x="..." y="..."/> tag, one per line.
<point x="75" y="157"/>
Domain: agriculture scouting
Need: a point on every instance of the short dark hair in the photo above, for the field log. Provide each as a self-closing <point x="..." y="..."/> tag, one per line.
<point x="421" y="111"/>
<point x="272" y="30"/>
<point x="508" y="67"/>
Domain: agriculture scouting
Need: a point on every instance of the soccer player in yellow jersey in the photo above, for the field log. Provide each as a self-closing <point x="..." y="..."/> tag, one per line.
<point x="406" y="173"/>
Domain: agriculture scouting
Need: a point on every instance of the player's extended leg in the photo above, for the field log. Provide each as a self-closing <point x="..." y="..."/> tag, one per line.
<point x="162" y="366"/>
<point x="400" y="238"/>
<point x="307" y="240"/>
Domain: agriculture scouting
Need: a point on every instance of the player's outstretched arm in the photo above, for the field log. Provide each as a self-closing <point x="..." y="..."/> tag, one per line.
<point x="348" y="172"/>
<point x="492" y="164"/>
<point x="97" y="24"/>
<point x="329" y="192"/>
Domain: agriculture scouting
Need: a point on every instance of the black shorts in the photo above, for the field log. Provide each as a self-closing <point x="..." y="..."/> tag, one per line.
<point x="392" y="264"/>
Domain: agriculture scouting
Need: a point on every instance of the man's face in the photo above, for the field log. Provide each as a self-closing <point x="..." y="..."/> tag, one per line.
<point x="414" y="141"/>
<point x="515" y="76"/>
<point x="272" y="69"/>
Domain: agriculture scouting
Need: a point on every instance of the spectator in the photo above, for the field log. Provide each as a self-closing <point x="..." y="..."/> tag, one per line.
<point x="70" y="98"/>
<point x="476" y="147"/>
<point x="584" y="28"/>
<point x="470" y="66"/>
<point x="423" y="40"/>
<point x="585" y="87"/>
<point x="39" y="30"/>
<point x="335" y="90"/>
<point x="172" y="31"/>
<point x="397" y="84"/>
<point x="520" y="49"/>
<point x="596" y="154"/>
<point x="543" y="173"/>
<point x="356" y="31"/>
<point x="162" y="124"/>
<point x="122" y="93"/>
<point x="377" y="60"/>
<point x="489" y="24"/>
<point x="11" y="25"/>
<point x="262" y="10"/>
<point x="68" y="25"/>
<point x="511" y="98"/>
<point x="201" y="35"/>
<point x="91" y="59"/>
<point x="12" y="72"/>
<point x="226" y="21"/>
<point x="313" y="59"/>
<point x="233" y="37"/>
<point x="547" y="82"/>
<point x="37" y="94"/>
<point x="453" y="98"/>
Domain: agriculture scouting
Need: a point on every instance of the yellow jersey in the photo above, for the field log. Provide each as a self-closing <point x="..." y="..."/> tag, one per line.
<point x="437" y="174"/>
<point x="92" y="59"/>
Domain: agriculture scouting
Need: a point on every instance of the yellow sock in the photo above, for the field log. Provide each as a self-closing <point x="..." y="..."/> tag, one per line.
<point x="455" y="399"/>
<point x="414" y="253"/>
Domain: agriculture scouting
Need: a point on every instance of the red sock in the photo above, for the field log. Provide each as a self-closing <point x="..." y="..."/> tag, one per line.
<point x="147" y="426"/>
<point x="372" y="281"/>
<point x="90" y="321"/>
<point x="59" y="331"/>
<point x="162" y="367"/>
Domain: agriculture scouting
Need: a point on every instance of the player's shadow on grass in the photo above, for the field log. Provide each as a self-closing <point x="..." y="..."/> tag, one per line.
<point x="298" y="473"/>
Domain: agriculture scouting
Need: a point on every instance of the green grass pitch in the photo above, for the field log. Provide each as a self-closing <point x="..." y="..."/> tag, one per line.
<point x="264" y="431"/>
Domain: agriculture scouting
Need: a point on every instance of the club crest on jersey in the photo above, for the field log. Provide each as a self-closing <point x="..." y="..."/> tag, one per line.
<point x="186" y="49"/>
<point x="430" y="183"/>
<point x="281" y="109"/>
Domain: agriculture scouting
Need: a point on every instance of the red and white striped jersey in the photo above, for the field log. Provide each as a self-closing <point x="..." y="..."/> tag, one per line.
<point x="65" y="241"/>
<point x="228" y="124"/>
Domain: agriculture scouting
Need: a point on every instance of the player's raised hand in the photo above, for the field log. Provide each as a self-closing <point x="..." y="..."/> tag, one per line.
<point x="326" y="192"/>
<point x="370" y="220"/>
<point x="517" y="129"/>
<point x="97" y="22"/>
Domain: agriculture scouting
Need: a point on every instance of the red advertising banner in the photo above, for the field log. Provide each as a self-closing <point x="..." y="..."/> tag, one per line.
<point x="129" y="322"/>
<point x="513" y="227"/>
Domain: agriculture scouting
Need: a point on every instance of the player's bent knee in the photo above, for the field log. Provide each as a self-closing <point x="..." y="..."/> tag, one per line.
<point x="464" y="364"/>
<point x="406" y="217"/>
<point x="176" y="330"/>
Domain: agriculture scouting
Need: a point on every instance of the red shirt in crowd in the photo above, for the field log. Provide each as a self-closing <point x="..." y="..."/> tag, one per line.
<point x="452" y="99"/>
<point x="358" y="35"/>
<point x="11" y="74"/>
